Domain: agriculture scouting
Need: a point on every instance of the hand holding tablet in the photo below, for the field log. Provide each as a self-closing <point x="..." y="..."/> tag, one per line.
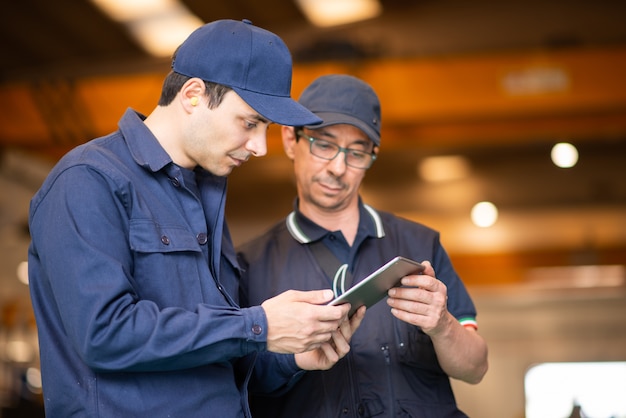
<point x="375" y="286"/>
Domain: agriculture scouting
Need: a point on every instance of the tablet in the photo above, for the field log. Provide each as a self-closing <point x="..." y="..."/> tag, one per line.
<point x="375" y="286"/>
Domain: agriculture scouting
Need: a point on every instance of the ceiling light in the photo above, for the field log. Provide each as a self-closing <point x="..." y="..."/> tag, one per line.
<point x="125" y="10"/>
<point x="22" y="272"/>
<point x="19" y="351"/>
<point x="33" y="379"/>
<point x="564" y="155"/>
<point x="444" y="168"/>
<point x="484" y="214"/>
<point x="159" y="26"/>
<point x="326" y="13"/>
<point x="161" y="35"/>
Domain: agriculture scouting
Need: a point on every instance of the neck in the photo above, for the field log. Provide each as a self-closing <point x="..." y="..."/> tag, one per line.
<point x="345" y="219"/>
<point x="165" y="127"/>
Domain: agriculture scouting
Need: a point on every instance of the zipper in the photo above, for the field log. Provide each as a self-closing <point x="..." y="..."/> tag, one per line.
<point x="354" y="384"/>
<point x="387" y="357"/>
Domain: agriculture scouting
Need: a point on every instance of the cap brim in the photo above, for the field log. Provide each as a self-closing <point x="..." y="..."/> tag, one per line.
<point x="279" y="109"/>
<point x="334" y="118"/>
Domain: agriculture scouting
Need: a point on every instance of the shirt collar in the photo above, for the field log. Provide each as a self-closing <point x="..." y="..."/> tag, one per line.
<point x="143" y="145"/>
<point x="304" y="230"/>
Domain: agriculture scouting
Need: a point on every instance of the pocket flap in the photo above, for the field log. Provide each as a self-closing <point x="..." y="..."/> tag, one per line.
<point x="147" y="236"/>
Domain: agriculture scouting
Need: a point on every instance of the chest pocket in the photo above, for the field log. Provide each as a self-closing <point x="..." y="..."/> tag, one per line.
<point x="169" y="267"/>
<point x="149" y="237"/>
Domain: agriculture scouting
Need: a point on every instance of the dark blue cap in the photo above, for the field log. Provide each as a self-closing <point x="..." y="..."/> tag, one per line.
<point x="339" y="99"/>
<point x="254" y="62"/>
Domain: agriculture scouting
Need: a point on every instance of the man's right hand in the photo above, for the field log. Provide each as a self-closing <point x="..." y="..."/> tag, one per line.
<point x="300" y="321"/>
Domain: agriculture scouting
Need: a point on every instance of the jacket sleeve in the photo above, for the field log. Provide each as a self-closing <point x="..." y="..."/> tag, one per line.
<point x="274" y="374"/>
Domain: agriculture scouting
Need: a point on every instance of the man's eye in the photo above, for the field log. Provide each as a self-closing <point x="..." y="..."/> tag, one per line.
<point x="324" y="145"/>
<point x="250" y="125"/>
<point x="358" y="155"/>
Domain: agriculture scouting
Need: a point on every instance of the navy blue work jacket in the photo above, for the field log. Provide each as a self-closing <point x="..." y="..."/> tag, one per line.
<point x="392" y="368"/>
<point x="133" y="281"/>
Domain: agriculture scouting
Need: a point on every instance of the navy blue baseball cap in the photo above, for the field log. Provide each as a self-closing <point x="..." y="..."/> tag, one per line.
<point x="339" y="99"/>
<point x="252" y="61"/>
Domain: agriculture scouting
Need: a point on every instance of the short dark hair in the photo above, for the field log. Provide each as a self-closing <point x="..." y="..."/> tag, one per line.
<point x="174" y="82"/>
<point x="297" y="129"/>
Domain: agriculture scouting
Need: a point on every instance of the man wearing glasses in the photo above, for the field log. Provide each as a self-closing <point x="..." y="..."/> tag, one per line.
<point x="408" y="347"/>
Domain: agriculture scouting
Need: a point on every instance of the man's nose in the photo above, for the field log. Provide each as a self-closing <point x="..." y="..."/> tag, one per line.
<point x="257" y="145"/>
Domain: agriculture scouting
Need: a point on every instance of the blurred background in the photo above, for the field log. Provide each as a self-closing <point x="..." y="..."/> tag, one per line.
<point x="504" y="127"/>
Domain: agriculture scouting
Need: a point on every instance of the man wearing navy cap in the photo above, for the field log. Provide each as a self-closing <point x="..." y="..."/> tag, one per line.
<point x="133" y="276"/>
<point x="406" y="348"/>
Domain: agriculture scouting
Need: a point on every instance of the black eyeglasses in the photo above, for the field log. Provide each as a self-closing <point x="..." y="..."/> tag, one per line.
<point x="328" y="151"/>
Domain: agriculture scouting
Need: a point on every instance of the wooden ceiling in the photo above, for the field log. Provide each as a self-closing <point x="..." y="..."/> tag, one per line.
<point x="440" y="67"/>
<point x="66" y="38"/>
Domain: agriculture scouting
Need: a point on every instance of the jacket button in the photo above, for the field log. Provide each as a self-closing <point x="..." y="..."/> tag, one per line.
<point x="175" y="182"/>
<point x="257" y="329"/>
<point x="165" y="240"/>
<point x="202" y="238"/>
<point x="361" y="410"/>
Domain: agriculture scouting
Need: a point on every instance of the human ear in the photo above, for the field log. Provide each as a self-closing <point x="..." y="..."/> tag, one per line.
<point x="288" y="134"/>
<point x="191" y="93"/>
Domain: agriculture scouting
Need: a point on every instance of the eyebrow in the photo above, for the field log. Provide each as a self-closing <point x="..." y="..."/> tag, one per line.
<point x="259" y="118"/>
<point x="323" y="133"/>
